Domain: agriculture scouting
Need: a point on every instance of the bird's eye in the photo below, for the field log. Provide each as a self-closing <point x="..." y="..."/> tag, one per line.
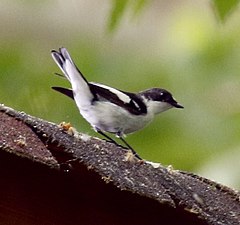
<point x="165" y="96"/>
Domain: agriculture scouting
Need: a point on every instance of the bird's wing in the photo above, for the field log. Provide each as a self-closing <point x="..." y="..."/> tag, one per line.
<point x="129" y="101"/>
<point x="65" y="91"/>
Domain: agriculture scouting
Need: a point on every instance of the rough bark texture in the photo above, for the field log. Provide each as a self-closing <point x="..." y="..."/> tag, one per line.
<point x="51" y="174"/>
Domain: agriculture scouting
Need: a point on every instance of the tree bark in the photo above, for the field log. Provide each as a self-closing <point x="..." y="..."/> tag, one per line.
<point x="51" y="174"/>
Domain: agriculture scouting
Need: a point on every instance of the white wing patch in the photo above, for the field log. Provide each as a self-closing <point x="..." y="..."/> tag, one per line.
<point x="123" y="97"/>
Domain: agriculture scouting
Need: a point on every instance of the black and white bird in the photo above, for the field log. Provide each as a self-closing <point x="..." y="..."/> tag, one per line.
<point x="108" y="109"/>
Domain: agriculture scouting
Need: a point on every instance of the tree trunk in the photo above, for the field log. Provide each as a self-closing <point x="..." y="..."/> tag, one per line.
<point x="51" y="174"/>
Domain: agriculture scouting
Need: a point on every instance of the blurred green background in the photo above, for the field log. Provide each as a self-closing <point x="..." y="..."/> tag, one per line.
<point x="177" y="45"/>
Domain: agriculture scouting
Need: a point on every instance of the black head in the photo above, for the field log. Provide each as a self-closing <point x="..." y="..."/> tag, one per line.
<point x="161" y="95"/>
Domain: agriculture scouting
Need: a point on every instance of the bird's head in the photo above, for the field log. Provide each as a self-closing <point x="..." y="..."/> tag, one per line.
<point x="159" y="100"/>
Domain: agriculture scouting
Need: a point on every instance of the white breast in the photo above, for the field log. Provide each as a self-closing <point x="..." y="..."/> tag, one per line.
<point x="112" y="118"/>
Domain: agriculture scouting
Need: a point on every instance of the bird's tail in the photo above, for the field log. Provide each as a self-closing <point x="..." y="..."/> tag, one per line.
<point x="66" y="64"/>
<point x="81" y="91"/>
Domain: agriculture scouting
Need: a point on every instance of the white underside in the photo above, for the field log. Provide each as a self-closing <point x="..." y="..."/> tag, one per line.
<point x="111" y="118"/>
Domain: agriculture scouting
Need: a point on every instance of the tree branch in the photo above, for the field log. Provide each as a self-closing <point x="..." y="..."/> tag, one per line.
<point x="51" y="174"/>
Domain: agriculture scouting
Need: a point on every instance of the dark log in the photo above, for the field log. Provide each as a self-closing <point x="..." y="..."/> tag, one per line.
<point x="51" y="174"/>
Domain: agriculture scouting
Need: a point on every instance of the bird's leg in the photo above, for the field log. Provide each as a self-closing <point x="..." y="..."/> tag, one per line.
<point x="114" y="142"/>
<point x="133" y="151"/>
<point x="107" y="137"/>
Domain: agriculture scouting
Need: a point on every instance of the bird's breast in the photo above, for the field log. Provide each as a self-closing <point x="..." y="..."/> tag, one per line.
<point x="112" y="118"/>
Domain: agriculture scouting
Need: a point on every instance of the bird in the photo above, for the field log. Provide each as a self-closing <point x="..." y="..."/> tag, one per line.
<point x="110" y="110"/>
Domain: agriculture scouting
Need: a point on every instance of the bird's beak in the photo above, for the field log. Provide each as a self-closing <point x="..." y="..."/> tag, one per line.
<point x="176" y="104"/>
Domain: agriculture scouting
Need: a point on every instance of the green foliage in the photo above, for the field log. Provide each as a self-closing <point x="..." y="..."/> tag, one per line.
<point x="139" y="5"/>
<point x="118" y="9"/>
<point x="224" y="8"/>
<point x="117" y="12"/>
